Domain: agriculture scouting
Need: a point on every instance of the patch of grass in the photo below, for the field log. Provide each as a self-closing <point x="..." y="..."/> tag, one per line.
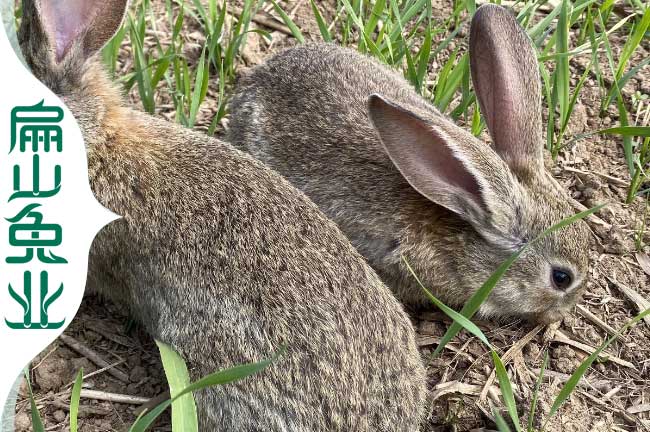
<point x="184" y="415"/>
<point x="165" y="65"/>
<point x="564" y="393"/>
<point x="572" y="382"/>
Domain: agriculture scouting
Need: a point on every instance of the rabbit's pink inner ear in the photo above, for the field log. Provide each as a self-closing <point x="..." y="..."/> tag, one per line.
<point x="65" y="21"/>
<point x="425" y="156"/>
<point x="506" y="79"/>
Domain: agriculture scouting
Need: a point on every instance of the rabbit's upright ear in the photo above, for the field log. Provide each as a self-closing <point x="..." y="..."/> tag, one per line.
<point x="80" y="24"/>
<point x="446" y="164"/>
<point x="507" y="83"/>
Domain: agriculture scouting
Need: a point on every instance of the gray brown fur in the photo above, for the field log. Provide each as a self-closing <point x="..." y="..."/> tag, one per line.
<point x="307" y="114"/>
<point x="224" y="260"/>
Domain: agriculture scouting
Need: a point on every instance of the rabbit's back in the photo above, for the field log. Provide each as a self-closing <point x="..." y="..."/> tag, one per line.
<point x="315" y="90"/>
<point x="246" y="264"/>
<point x="304" y="113"/>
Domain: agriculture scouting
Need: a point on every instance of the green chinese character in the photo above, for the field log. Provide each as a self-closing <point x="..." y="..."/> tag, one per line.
<point x="38" y="127"/>
<point x="44" y="303"/>
<point x="34" y="240"/>
<point x="36" y="191"/>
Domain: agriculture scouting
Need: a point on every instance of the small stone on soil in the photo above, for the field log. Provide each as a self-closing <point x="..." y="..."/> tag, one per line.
<point x="23" y="421"/>
<point x="59" y="415"/>
<point x="138" y="374"/>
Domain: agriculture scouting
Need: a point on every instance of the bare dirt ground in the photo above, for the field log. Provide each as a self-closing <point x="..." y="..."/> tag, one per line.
<point x="614" y="395"/>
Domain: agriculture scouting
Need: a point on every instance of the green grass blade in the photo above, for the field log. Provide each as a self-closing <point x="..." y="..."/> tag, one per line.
<point x="572" y="382"/>
<point x="506" y="390"/>
<point x="616" y="91"/>
<point x="357" y="22"/>
<point x="218" y="378"/>
<point x="37" y="423"/>
<point x="111" y="51"/>
<point x="572" y="102"/>
<point x="143" y="77"/>
<point x="533" y="404"/>
<point x="237" y="34"/>
<point x="178" y="23"/>
<point x="539" y="28"/>
<point x="413" y="10"/>
<point x="454" y="81"/>
<point x="411" y="72"/>
<point x="475" y="302"/>
<point x="632" y="72"/>
<point x="551" y="102"/>
<point x="636" y="131"/>
<point x="628" y="149"/>
<point x="423" y="59"/>
<point x="477" y="123"/>
<point x="221" y="107"/>
<point x="633" y="42"/>
<point x="75" y="396"/>
<point x="458" y="318"/>
<point x="442" y="45"/>
<point x="562" y="71"/>
<point x="470" y="5"/>
<point x="205" y="20"/>
<point x="295" y="31"/>
<point x="212" y="7"/>
<point x="627" y="140"/>
<point x="161" y="68"/>
<point x="184" y="417"/>
<point x="322" y="26"/>
<point x="442" y="78"/>
<point x="200" y="87"/>
<point x="221" y="19"/>
<point x="500" y="422"/>
<point x="375" y="15"/>
<point x="628" y="49"/>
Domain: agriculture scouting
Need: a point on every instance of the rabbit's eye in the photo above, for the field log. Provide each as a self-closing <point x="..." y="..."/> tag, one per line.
<point x="561" y="279"/>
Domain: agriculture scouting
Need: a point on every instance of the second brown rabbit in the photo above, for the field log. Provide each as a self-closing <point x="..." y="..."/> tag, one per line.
<point x="400" y="179"/>
<point x="224" y="260"/>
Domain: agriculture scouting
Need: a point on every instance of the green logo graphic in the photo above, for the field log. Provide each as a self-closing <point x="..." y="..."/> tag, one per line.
<point x="26" y="302"/>
<point x="36" y="191"/>
<point x="34" y="240"/>
<point x="40" y="127"/>
<point x="35" y="129"/>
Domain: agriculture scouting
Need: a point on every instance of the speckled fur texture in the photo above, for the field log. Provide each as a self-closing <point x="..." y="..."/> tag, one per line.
<point x="224" y="260"/>
<point x="342" y="127"/>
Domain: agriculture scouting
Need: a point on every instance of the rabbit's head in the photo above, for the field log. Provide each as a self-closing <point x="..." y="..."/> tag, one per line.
<point x="503" y="192"/>
<point x="60" y="41"/>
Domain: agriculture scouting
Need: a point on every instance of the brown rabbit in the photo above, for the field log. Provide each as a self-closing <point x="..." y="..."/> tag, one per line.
<point x="224" y="260"/>
<point x="399" y="178"/>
